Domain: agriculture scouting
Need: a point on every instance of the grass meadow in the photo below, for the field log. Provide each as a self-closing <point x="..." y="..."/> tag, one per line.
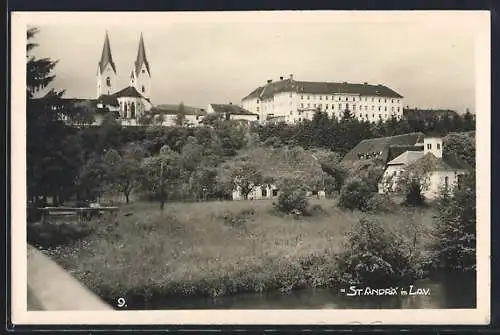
<point x="218" y="248"/>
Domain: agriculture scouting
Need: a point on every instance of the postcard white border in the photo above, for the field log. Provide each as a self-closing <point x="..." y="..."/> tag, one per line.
<point x="481" y="315"/>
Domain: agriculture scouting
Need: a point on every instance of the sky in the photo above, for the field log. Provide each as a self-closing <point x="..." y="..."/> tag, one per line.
<point x="431" y="62"/>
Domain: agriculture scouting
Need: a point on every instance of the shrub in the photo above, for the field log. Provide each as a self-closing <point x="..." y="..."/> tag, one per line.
<point x="292" y="198"/>
<point x="355" y="195"/>
<point x="375" y="257"/>
<point x="380" y="203"/>
<point x="455" y="245"/>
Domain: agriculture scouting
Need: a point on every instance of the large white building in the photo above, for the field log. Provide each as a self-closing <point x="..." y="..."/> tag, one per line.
<point x="293" y="101"/>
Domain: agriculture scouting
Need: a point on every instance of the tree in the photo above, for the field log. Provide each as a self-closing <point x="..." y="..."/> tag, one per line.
<point x="161" y="174"/>
<point x="455" y="246"/>
<point x="124" y="169"/>
<point x="49" y="167"/>
<point x="461" y="146"/>
<point x="181" y="115"/>
<point x="414" y="181"/>
<point x="245" y="177"/>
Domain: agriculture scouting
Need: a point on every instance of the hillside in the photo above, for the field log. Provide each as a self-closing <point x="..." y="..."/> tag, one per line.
<point x="278" y="163"/>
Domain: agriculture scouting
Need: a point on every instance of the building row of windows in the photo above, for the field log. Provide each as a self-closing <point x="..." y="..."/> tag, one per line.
<point x="339" y="98"/>
<point x="354" y="98"/>
<point x="320" y="106"/>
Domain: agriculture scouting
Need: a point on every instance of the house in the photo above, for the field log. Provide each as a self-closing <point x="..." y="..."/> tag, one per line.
<point x="288" y="98"/>
<point x="232" y="112"/>
<point x="168" y="115"/>
<point x="386" y="148"/>
<point x="438" y="170"/>
<point x="259" y="192"/>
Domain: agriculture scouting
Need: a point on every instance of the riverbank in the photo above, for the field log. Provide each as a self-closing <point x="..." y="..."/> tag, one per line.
<point x="218" y="248"/>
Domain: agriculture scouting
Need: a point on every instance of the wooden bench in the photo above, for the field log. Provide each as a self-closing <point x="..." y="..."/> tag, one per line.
<point x="81" y="212"/>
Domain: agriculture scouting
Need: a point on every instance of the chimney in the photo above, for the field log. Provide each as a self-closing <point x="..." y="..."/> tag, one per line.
<point x="269" y="81"/>
<point x="365" y="83"/>
<point x="291" y="76"/>
<point x="281" y="78"/>
<point x="230" y="103"/>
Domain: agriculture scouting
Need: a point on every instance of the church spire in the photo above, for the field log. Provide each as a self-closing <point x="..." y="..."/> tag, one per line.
<point x="141" y="58"/>
<point x="106" y="57"/>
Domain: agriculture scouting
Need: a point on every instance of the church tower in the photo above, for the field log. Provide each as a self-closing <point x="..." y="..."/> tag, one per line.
<point x="106" y="71"/>
<point x="141" y="74"/>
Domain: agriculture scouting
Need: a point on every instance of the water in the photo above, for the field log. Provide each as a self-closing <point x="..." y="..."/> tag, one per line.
<point x="444" y="293"/>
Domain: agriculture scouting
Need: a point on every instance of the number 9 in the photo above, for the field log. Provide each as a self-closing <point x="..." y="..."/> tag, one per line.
<point x="121" y="302"/>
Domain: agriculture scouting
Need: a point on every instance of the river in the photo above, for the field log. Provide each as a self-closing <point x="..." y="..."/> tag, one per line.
<point x="444" y="293"/>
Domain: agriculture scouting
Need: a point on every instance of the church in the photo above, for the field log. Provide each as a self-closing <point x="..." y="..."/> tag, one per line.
<point x="131" y="102"/>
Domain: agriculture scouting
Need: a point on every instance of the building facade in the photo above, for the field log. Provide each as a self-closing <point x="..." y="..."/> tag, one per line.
<point x="130" y="103"/>
<point x="295" y="101"/>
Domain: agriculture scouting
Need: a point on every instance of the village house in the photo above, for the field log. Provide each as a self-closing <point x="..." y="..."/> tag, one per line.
<point x="232" y="112"/>
<point x="438" y="170"/>
<point x="386" y="148"/>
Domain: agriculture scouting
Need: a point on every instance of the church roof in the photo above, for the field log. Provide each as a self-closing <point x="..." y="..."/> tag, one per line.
<point x="141" y="58"/>
<point x="106" y="57"/>
<point x="129" y="92"/>
<point x="406" y="158"/>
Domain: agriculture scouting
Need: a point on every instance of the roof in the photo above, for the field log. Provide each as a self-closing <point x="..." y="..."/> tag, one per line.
<point x="406" y="158"/>
<point x="106" y="57"/>
<point x="446" y="163"/>
<point x="382" y="146"/>
<point x="173" y="109"/>
<point x="396" y="150"/>
<point x="107" y="100"/>
<point x="141" y="58"/>
<point x="129" y="92"/>
<point x="230" y="109"/>
<point x="290" y="85"/>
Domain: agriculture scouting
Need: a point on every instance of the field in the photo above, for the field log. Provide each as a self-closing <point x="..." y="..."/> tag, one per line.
<point x="217" y="248"/>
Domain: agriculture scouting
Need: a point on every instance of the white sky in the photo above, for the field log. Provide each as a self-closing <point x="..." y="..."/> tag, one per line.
<point x="429" y="58"/>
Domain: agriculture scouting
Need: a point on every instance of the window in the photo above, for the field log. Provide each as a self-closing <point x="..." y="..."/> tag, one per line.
<point x="379" y="100"/>
<point x="360" y="115"/>
<point x="392" y="100"/>
<point x="132" y="111"/>
<point x="326" y="97"/>
<point x="429" y="146"/>
<point x="108" y="81"/>
<point x="301" y="105"/>
<point x="379" y="108"/>
<point x="385" y="109"/>
<point x="320" y="106"/>
<point x="446" y="181"/>
<point x="398" y="109"/>
<point x="438" y="146"/>
<point x="314" y="106"/>
<point x="291" y="113"/>
<point x="308" y="105"/>
<point x="326" y="106"/>
<point x="340" y="106"/>
<point x="353" y="98"/>
<point x="372" y="99"/>
<point x="320" y="97"/>
<point x="353" y="107"/>
<point x="385" y="100"/>
<point x="380" y="116"/>
<point x="143" y="71"/>
<point x="301" y="97"/>
<point x="366" y="116"/>
<point x="143" y="89"/>
<point x="257" y="108"/>
<point x="308" y="97"/>
<point x="264" y="191"/>
<point x="347" y="106"/>
<point x="392" y="109"/>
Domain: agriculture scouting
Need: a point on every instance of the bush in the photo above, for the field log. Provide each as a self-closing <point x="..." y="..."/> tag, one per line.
<point x="355" y="195"/>
<point x="455" y="245"/>
<point x="375" y="257"/>
<point x="381" y="203"/>
<point x="292" y="199"/>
